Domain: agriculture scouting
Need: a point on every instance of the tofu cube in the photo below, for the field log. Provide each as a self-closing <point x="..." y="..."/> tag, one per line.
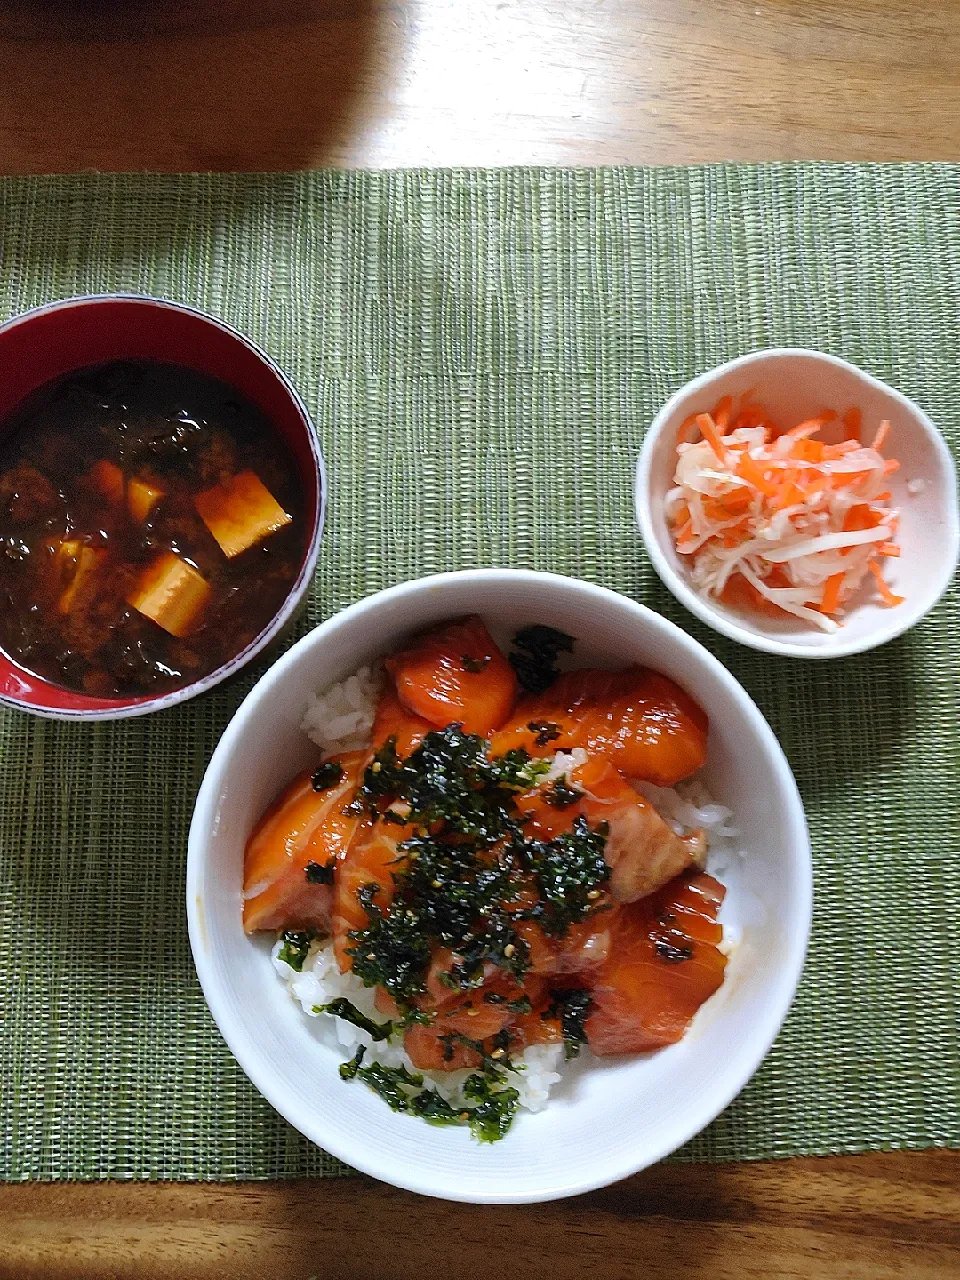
<point x="170" y="593"/>
<point x="240" y="512"/>
<point x="142" y="497"/>
<point x="77" y="563"/>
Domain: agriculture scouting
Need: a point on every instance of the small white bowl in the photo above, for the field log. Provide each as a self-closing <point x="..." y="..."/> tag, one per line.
<point x="796" y="384"/>
<point x="608" y="1117"/>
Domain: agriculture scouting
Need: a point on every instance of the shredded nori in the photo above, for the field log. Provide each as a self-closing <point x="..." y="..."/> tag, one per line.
<point x="464" y="856"/>
<point x="392" y="951"/>
<point x="326" y="775"/>
<point x="561" y="795"/>
<point x="435" y="1109"/>
<point x="457" y="869"/>
<point x="391" y="1083"/>
<point x="491" y="1118"/>
<point x="319" y="873"/>
<point x="348" y="1070"/>
<point x="571" y="1008"/>
<point x="296" y="944"/>
<point x="672" y="954"/>
<point x="571" y="874"/>
<point x="520" y="1005"/>
<point x="545" y="730"/>
<point x="535" y="661"/>
<point x="342" y="1008"/>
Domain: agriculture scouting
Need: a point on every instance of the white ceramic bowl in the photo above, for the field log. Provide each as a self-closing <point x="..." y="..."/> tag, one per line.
<point x="797" y="384"/>
<point x="608" y="1117"/>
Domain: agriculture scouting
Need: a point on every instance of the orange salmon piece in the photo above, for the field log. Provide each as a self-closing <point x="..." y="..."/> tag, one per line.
<point x="393" y="720"/>
<point x="428" y="1053"/>
<point x="455" y="673"/>
<point x="642" y="852"/>
<point x="470" y="1015"/>
<point x="644" y="723"/>
<point x="372" y="858"/>
<point x="301" y="826"/>
<point x="645" y="995"/>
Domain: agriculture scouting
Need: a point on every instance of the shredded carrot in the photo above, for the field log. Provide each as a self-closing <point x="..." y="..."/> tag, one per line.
<point x="752" y="472"/>
<point x="882" y="432"/>
<point x="889" y="549"/>
<point x="807" y="451"/>
<point x="811" y="426"/>
<point x="684" y="530"/>
<point x="721" y="413"/>
<point x="712" y="436"/>
<point x="862" y="516"/>
<point x="685" y="432"/>
<point x="890" y="466"/>
<point x="789" y="496"/>
<point x="886" y="594"/>
<point x="831" y="593"/>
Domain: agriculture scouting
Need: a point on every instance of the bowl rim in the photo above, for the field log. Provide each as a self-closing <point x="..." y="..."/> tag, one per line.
<point x="297" y="589"/>
<point x="698" y="1115"/>
<point x="833" y="647"/>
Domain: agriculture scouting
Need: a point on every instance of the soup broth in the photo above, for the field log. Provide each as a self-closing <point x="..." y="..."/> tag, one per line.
<point x="151" y="524"/>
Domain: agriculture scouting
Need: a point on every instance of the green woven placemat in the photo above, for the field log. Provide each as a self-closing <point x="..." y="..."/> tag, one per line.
<point x="482" y="352"/>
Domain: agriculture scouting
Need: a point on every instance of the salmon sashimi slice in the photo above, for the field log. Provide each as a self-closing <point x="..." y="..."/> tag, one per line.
<point x="642" y="851"/>
<point x="373" y="859"/>
<point x="428" y="1052"/>
<point x="477" y="1014"/>
<point x="647" y="725"/>
<point x="455" y="674"/>
<point x="584" y="947"/>
<point x="303" y="825"/>
<point x="393" y="720"/>
<point x="662" y="967"/>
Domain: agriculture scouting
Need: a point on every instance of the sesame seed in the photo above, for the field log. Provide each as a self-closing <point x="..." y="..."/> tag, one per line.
<point x="497" y="1053"/>
<point x="472" y="1013"/>
<point x="437" y="884"/>
<point x="509" y="949"/>
<point x="376" y="767"/>
<point x="593" y="894"/>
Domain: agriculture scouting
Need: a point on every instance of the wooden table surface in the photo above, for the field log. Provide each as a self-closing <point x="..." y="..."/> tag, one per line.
<point x="284" y="84"/>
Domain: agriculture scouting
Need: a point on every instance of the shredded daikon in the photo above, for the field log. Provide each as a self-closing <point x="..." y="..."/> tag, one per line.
<point x="777" y="520"/>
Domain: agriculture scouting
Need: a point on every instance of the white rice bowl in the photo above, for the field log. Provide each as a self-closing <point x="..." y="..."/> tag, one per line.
<point x="339" y="719"/>
<point x="608" y="1117"/>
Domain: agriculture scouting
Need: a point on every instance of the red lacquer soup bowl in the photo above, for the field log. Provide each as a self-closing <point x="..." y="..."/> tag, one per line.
<point x="61" y="337"/>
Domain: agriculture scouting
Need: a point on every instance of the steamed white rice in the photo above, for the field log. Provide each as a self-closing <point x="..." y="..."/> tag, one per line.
<point x="340" y="719"/>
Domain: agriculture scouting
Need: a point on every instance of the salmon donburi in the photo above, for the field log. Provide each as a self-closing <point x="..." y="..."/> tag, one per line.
<point x="493" y="865"/>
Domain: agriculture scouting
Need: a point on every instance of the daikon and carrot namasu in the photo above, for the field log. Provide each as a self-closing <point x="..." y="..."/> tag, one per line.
<point x="769" y="516"/>
<point x="490" y="867"/>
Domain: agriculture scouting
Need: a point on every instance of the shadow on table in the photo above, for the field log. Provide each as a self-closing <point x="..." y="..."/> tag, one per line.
<point x="170" y="85"/>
